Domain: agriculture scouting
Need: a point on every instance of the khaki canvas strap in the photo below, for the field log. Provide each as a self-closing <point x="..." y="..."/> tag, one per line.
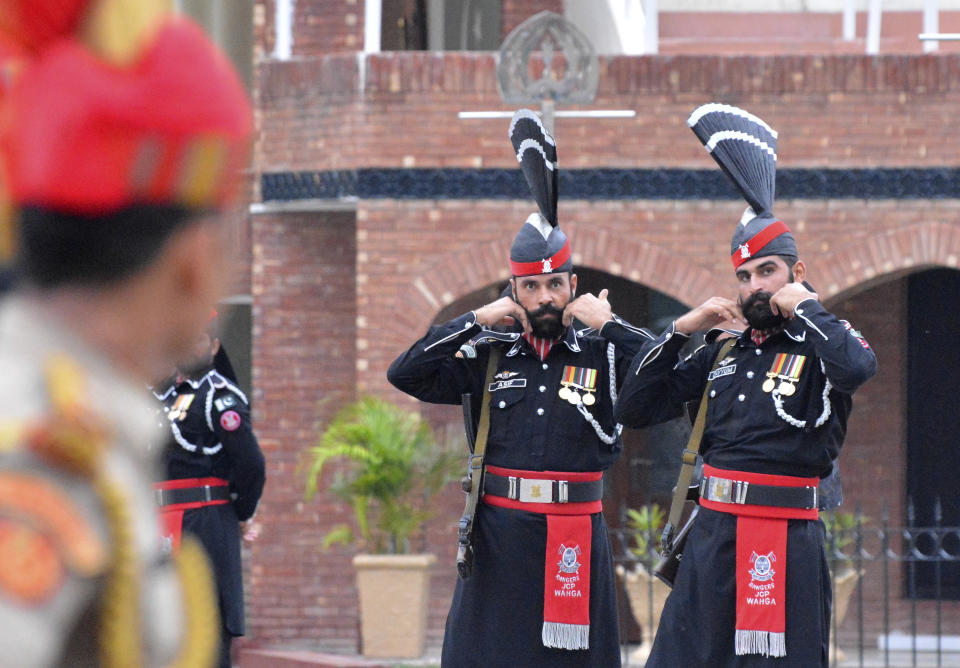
<point x="483" y="428"/>
<point x="475" y="471"/>
<point x="689" y="459"/>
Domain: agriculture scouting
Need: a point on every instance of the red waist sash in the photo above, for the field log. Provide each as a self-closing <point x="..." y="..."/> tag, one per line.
<point x="761" y="562"/>
<point x="171" y="515"/>
<point x="566" y="584"/>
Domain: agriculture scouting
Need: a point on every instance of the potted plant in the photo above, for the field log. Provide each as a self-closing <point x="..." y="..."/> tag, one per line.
<point x="840" y="533"/>
<point x="393" y="469"/>
<point x="647" y="593"/>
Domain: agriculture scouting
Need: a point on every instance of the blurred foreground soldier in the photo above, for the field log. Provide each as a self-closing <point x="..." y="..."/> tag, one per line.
<point x="214" y="473"/>
<point x="753" y="587"/>
<point x="116" y="147"/>
<point x="541" y="591"/>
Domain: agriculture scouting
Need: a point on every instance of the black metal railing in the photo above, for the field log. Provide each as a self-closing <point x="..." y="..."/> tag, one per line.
<point x="896" y="599"/>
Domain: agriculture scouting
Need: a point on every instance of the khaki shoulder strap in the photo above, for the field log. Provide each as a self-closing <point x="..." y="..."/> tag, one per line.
<point x="690" y="458"/>
<point x="473" y="483"/>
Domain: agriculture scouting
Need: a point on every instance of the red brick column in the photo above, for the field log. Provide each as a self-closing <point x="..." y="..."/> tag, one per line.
<point x="303" y="353"/>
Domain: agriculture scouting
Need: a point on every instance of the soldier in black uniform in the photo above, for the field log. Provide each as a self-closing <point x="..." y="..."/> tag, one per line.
<point x="753" y="586"/>
<point x="214" y="474"/>
<point x="542" y="588"/>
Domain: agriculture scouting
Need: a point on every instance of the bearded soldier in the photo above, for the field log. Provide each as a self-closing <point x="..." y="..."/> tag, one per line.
<point x="753" y="587"/>
<point x="542" y="588"/>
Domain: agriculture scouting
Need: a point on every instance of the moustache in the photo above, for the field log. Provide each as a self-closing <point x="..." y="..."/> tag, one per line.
<point x="545" y="326"/>
<point x="546" y="309"/>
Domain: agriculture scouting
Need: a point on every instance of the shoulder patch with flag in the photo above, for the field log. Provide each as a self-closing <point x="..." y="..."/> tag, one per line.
<point x="856" y="334"/>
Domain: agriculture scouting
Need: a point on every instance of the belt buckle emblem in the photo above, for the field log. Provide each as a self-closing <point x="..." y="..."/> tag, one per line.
<point x="536" y="491"/>
<point x="721" y="490"/>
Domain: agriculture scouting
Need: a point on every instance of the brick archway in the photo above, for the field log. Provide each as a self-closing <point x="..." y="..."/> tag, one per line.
<point x="642" y="262"/>
<point x="875" y="259"/>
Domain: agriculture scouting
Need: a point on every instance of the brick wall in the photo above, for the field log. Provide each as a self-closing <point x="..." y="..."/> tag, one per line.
<point x="516" y="12"/>
<point x="303" y="353"/>
<point x="319" y="26"/>
<point x="839" y="111"/>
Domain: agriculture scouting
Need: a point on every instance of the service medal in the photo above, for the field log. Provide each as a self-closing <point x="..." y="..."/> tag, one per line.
<point x="787" y="368"/>
<point x="786" y="389"/>
<point x="575" y="380"/>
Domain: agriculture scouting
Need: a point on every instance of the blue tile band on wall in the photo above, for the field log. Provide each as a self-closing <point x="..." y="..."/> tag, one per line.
<point x="607" y="184"/>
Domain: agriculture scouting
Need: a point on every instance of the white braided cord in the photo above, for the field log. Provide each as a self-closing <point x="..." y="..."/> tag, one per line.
<point x="602" y="435"/>
<point x="800" y="424"/>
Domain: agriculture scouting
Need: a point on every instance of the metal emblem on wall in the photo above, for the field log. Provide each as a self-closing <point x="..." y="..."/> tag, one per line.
<point x="547" y="58"/>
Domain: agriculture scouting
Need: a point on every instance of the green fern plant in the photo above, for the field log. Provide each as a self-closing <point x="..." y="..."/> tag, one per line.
<point x="395" y="467"/>
<point x="645" y="524"/>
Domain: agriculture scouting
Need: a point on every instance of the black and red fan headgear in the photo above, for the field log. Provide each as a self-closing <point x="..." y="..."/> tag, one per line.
<point x="540" y="247"/>
<point x="745" y="147"/>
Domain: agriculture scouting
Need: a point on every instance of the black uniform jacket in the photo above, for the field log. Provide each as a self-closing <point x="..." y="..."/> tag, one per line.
<point x="744" y="430"/>
<point x="496" y="615"/>
<point x="209" y="421"/>
<point x="747" y="430"/>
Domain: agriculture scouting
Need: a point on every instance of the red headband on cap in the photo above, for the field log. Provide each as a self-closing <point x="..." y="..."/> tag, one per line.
<point x="746" y="251"/>
<point x="544" y="266"/>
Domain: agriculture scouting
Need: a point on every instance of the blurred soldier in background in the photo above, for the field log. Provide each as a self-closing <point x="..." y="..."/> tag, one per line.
<point x="214" y="472"/>
<point x="121" y="135"/>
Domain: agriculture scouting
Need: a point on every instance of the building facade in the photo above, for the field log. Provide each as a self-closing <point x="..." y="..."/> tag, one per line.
<point x="376" y="211"/>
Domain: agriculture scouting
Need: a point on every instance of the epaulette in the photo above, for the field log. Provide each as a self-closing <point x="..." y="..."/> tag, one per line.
<point x="717" y="333"/>
<point x="488" y="336"/>
<point x="220" y="382"/>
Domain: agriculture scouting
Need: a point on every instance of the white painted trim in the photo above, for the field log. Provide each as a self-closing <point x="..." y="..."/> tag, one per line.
<point x="931" y="24"/>
<point x="283" y="27"/>
<point x="304" y="206"/>
<point x="874" y="21"/>
<point x="849" y="20"/>
<point x="595" y="113"/>
<point x="372" y="17"/>
<point x="651" y="26"/>
<point x="631" y="24"/>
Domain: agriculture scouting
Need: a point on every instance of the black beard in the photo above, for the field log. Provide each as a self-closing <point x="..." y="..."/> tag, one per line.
<point x="546" y="328"/>
<point x="757" y="312"/>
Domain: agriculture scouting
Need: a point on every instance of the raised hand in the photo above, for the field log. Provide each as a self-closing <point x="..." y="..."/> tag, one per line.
<point x="785" y="300"/>
<point x="709" y="314"/>
<point x="503" y="312"/>
<point x="588" y="309"/>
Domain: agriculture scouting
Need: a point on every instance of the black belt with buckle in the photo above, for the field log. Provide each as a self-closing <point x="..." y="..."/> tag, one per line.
<point x="725" y="490"/>
<point x="202" y="494"/>
<point x="534" y="490"/>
